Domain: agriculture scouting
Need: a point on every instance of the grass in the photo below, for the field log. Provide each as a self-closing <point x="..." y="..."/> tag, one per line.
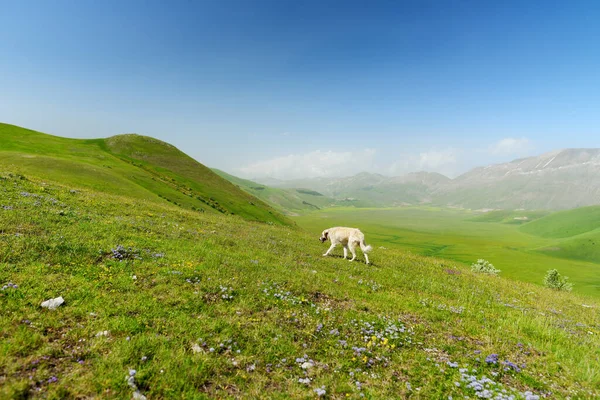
<point x="462" y="236"/>
<point x="139" y="166"/>
<point x="565" y="224"/>
<point x="205" y="305"/>
<point x="585" y="247"/>
<point x="510" y="216"/>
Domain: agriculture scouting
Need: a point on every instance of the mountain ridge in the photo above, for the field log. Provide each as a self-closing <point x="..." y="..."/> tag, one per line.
<point x="559" y="179"/>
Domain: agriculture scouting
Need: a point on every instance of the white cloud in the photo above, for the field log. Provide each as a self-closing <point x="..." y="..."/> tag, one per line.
<point x="443" y="161"/>
<point x="433" y="160"/>
<point x="511" y="146"/>
<point x="449" y="161"/>
<point x="311" y="165"/>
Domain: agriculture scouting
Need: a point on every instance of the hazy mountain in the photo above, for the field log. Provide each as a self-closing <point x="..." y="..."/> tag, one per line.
<point x="374" y="189"/>
<point x="557" y="180"/>
<point x="290" y="201"/>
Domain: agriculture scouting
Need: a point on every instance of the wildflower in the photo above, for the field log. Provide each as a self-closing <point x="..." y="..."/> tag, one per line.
<point x="510" y="365"/>
<point x="492" y="359"/>
<point x="320" y="391"/>
<point x="52" y="379"/>
<point x="10" y="285"/>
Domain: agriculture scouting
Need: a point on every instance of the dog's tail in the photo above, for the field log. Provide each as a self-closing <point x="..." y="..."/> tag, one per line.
<point x="364" y="247"/>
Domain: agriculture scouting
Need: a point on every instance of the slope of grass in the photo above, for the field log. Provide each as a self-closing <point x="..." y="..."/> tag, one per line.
<point x="584" y="247"/>
<point x="452" y="234"/>
<point x="135" y="165"/>
<point x="199" y="305"/>
<point x="510" y="216"/>
<point x="564" y="224"/>
<point x="290" y="201"/>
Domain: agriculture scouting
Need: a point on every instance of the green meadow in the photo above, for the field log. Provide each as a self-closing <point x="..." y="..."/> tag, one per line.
<point x="522" y="244"/>
<point x="176" y="284"/>
<point x="165" y="302"/>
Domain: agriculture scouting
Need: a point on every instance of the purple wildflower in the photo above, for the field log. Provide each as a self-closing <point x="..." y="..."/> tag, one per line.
<point x="510" y="365"/>
<point x="492" y="359"/>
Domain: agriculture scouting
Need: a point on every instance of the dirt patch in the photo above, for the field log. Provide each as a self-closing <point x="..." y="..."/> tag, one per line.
<point x="325" y="300"/>
<point x="553" y="248"/>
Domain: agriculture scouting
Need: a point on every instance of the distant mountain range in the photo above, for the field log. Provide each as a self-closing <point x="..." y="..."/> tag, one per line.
<point x="561" y="179"/>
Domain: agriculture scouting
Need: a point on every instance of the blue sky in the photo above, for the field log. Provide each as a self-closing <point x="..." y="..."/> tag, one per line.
<point x="293" y="89"/>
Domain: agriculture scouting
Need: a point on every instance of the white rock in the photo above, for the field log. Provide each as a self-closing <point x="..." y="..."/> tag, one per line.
<point x="138" y="396"/>
<point x="53" y="303"/>
<point x="307" y="365"/>
<point x="196" y="348"/>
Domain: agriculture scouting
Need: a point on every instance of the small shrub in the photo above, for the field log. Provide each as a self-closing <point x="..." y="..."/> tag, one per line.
<point x="484" y="267"/>
<point x="554" y="280"/>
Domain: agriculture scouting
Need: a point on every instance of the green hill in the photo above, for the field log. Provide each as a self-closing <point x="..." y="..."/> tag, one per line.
<point x="131" y="165"/>
<point x="565" y="224"/>
<point x="165" y="302"/>
<point x="581" y="247"/>
<point x="290" y="201"/>
<point x="510" y="216"/>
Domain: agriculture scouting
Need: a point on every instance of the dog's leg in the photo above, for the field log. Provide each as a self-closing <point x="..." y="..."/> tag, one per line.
<point x="345" y="252"/>
<point x="352" y="250"/>
<point x="366" y="257"/>
<point x="330" y="248"/>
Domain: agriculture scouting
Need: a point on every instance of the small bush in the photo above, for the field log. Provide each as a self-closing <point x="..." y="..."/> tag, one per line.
<point x="484" y="267"/>
<point x="554" y="280"/>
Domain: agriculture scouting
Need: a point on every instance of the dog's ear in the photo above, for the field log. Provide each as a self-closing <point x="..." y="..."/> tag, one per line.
<point x="326" y="234"/>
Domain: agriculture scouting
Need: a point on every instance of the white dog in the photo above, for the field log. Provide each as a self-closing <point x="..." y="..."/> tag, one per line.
<point x="349" y="238"/>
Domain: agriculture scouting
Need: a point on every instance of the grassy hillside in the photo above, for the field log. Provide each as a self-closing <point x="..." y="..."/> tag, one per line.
<point x="453" y="234"/>
<point x="135" y="165"/>
<point x="584" y="247"/>
<point x="290" y="201"/>
<point x="510" y="216"/>
<point x="170" y="303"/>
<point x="566" y="223"/>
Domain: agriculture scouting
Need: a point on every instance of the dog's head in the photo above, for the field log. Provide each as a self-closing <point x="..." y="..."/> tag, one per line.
<point x="324" y="236"/>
